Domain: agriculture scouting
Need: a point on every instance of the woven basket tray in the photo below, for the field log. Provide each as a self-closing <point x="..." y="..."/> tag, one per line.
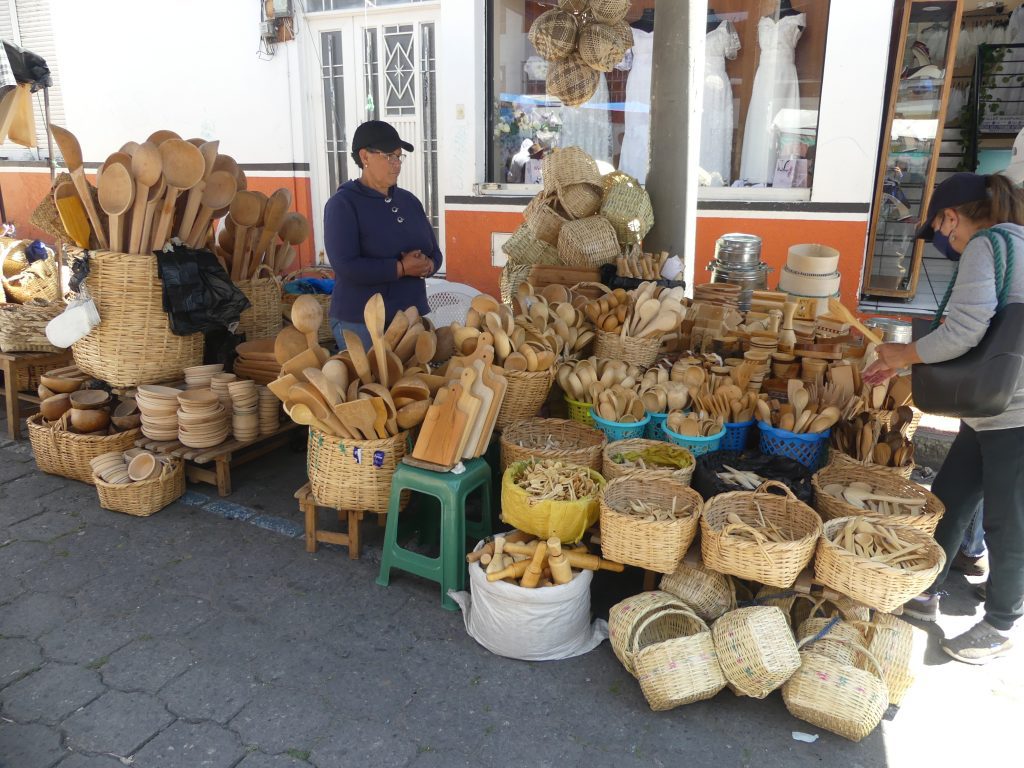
<point x="625" y="618"/>
<point x="641" y="352"/>
<point x="354" y="475"/>
<point x="526" y="393"/>
<point x="579" y="443"/>
<point x="875" y="584"/>
<point x="263" y="319"/>
<point x="656" y="545"/>
<point x="773" y="563"/>
<point x="133" y="343"/>
<point x="611" y="469"/>
<point x="144" y="498"/>
<point x="886" y="483"/>
<point x="68" y="454"/>
<point x="755" y="649"/>
<point x="23" y="327"/>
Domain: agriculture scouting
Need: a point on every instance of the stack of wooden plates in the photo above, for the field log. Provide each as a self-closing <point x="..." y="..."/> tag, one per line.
<point x="159" y="408"/>
<point x="202" y="420"/>
<point x="111" y="468"/>
<point x="269" y="411"/>
<point x="199" y="376"/>
<point x="245" y="420"/>
<point x="256" y="361"/>
<point x="219" y="385"/>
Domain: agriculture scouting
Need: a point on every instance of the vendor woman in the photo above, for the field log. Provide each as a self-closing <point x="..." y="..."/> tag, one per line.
<point x="378" y="238"/>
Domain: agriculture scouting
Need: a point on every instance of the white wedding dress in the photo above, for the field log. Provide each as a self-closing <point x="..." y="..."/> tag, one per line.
<point x="589" y="126"/>
<point x="776" y="87"/>
<point x="716" y="123"/>
<point x="635" y="156"/>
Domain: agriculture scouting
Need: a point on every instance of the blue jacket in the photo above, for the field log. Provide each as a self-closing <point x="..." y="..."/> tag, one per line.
<point x="366" y="233"/>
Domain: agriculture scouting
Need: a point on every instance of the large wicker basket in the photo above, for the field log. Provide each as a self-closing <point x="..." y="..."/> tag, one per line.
<point x="263" y="319"/>
<point x="354" y="475"/>
<point x="625" y="618"/>
<point x="756" y="649"/>
<point x="589" y="242"/>
<point x="885" y="483"/>
<point x="572" y="81"/>
<point x="571" y="442"/>
<point x="133" y="343"/>
<point x="657" y="545"/>
<point x="612" y="469"/>
<point x="709" y="593"/>
<point x="543" y="221"/>
<point x="627" y="207"/>
<point x="68" y="454"/>
<point x="833" y="637"/>
<point x="569" y="165"/>
<point x="144" y="498"/>
<point x="325" y="334"/>
<point x="23" y="326"/>
<point x="840" y="459"/>
<point x="642" y="352"/>
<point x="774" y="563"/>
<point x="580" y="200"/>
<point x="526" y="393"/>
<point x="524" y="248"/>
<point x="891" y="642"/>
<point x="553" y="34"/>
<point x="876" y="584"/>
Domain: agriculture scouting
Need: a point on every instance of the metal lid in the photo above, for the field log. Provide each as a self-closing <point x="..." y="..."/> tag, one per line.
<point x="738" y="248"/>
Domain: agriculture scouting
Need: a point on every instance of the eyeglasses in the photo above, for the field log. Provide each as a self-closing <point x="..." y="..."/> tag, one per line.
<point x="392" y="158"/>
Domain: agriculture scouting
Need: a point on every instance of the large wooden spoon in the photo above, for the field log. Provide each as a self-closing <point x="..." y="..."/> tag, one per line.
<point x="195" y="195"/>
<point x="246" y="210"/>
<point x="147" y="167"/>
<point x="116" y="193"/>
<point x="72" y="214"/>
<point x="294" y="231"/>
<point x="273" y="218"/>
<point x="218" y="193"/>
<point x="308" y="395"/>
<point x="72" y="152"/>
<point x="289" y="343"/>
<point x="373" y="316"/>
<point x="156" y="194"/>
<point x="307" y="315"/>
<point x="183" y="167"/>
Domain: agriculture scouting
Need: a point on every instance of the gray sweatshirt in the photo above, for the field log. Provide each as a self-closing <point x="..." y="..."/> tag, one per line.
<point x="970" y="309"/>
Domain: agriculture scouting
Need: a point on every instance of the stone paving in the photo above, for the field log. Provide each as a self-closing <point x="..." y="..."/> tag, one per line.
<point x="207" y="636"/>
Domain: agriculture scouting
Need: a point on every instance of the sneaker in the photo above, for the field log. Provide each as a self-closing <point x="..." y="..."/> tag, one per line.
<point x="978" y="645"/>
<point x="970" y="566"/>
<point x="924" y="607"/>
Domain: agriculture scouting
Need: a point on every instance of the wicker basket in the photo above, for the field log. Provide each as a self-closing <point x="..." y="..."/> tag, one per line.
<point x="569" y="165"/>
<point x="37" y="281"/>
<point x="524" y="248"/>
<point x="12" y="255"/>
<point x="885" y="483"/>
<point x="526" y="393"/>
<point x="263" y="319"/>
<point x="144" y="498"/>
<point x="756" y="649"/>
<point x="133" y="343"/>
<point x="838" y="697"/>
<point x="655" y="545"/>
<point x="674" y="659"/>
<point x="354" y="475"/>
<point x="553" y="34"/>
<point x="68" y="454"/>
<point x="543" y="220"/>
<point x="609" y="11"/>
<point x="600" y="46"/>
<point x="632" y="350"/>
<point x="891" y="642"/>
<point x="625" y="618"/>
<point x="811" y="606"/>
<point x="887" y="418"/>
<point x="875" y="584"/>
<point x="574" y="6"/>
<point x="579" y="444"/>
<point x="773" y="563"/>
<point x="709" y="593"/>
<point x="580" y="200"/>
<point x="325" y="334"/>
<point x="840" y="459"/>
<point x="23" y="326"/>
<point x="612" y="469"/>
<point x="832" y="637"/>
<point x="512" y="276"/>
<point x="625" y="33"/>
<point x="627" y="207"/>
<point x="589" y="242"/>
<point x="572" y="82"/>
<point x="783" y="599"/>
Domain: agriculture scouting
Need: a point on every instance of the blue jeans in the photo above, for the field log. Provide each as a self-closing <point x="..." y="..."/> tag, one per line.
<point x="973" y="544"/>
<point x="360" y="329"/>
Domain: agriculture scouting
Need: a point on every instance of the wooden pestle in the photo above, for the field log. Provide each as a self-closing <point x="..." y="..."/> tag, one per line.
<point x="536" y="567"/>
<point x="497" y="560"/>
<point x="514" y="571"/>
<point x="577" y="559"/>
<point x="561" y="571"/>
<point x="488" y="547"/>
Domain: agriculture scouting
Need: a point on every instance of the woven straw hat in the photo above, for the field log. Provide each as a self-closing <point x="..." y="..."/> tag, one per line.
<point x="608" y="11"/>
<point x="572" y="81"/>
<point x="600" y="46"/>
<point x="553" y="34"/>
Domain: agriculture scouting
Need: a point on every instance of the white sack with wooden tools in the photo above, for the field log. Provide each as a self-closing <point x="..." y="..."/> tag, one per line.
<point x="530" y="624"/>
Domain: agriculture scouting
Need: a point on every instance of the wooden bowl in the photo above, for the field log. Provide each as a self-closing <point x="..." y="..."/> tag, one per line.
<point x="143" y="467"/>
<point x="59" y="384"/>
<point x="124" y="423"/>
<point x="44" y="392"/>
<point x="88" y="420"/>
<point x="126" y="407"/>
<point x="198" y="400"/>
<point x="89" y="399"/>
<point x="55" y="406"/>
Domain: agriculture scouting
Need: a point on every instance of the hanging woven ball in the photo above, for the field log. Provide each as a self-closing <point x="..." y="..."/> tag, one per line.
<point x="574" y="6"/>
<point x="554" y="34"/>
<point x="600" y="46"/>
<point x="608" y="11"/>
<point x="572" y="82"/>
<point x="625" y="33"/>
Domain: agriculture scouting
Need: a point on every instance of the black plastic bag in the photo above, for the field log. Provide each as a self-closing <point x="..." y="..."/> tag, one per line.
<point x="610" y="277"/>
<point x="792" y="473"/>
<point x="198" y="294"/>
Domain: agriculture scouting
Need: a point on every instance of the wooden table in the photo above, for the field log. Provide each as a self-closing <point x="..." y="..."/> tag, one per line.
<point x="13" y="363"/>
<point x="229" y="453"/>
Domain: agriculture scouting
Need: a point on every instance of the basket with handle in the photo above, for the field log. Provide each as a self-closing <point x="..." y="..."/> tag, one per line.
<point x="633" y="350"/>
<point x="709" y="593"/>
<point x="525" y="248"/>
<point x="263" y="319"/>
<point x="59" y="452"/>
<point x="526" y="393"/>
<point x="838" y="458"/>
<point x="825" y="632"/>
<point x="543" y="221"/>
<point x="324" y="334"/>
<point x="147" y="497"/>
<point x="354" y="475"/>
<point x="657" y="545"/>
<point x="815" y="606"/>
<point x="727" y="548"/>
<point x="588" y="242"/>
<point x="626" y="616"/>
<point x="887" y="417"/>
<point x="23" y="326"/>
<point x="891" y="642"/>
<point x="756" y="649"/>
<point x="559" y="439"/>
<point x="611" y="468"/>
<point x="883" y="483"/>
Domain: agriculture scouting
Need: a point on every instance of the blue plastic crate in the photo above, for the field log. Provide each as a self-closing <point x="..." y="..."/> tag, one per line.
<point x="654" y="430"/>
<point x="698" y="446"/>
<point x="614" y="430"/>
<point x="737" y="435"/>
<point x="811" y="450"/>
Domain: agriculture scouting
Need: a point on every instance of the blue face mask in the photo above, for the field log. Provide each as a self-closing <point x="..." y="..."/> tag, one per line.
<point x="942" y="244"/>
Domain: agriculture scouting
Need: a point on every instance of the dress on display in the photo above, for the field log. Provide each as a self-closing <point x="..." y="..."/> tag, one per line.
<point x="635" y="157"/>
<point x="716" y="124"/>
<point x="589" y="125"/>
<point x="776" y="87"/>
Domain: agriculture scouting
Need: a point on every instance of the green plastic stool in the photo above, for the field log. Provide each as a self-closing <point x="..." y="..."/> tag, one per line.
<point x="451" y="491"/>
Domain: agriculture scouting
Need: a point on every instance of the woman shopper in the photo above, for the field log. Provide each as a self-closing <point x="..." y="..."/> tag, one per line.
<point x="377" y="235"/>
<point x="969" y="215"/>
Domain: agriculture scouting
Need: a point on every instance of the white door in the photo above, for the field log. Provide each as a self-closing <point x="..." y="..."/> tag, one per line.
<point x="378" y="64"/>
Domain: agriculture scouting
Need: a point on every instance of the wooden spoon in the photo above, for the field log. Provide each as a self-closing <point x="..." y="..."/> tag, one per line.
<point x="246" y="209"/>
<point x="183" y="167"/>
<point x="147" y="167"/>
<point x="289" y="343"/>
<point x="411" y="415"/>
<point x="72" y="152"/>
<point x="273" y="218"/>
<point x="301" y="414"/>
<point x="373" y="315"/>
<point x="159" y="137"/>
<point x="308" y="395"/>
<point x="116" y="193"/>
<point x="337" y="373"/>
<point x="354" y="345"/>
<point x="327" y="388"/>
<point x="218" y="193"/>
<point x="358" y="415"/>
<point x="307" y="315"/>
<point x="156" y="193"/>
<point x="195" y="195"/>
<point x="72" y="214"/>
<point x="294" y="231"/>
<point x="115" y="158"/>
<point x="426" y="346"/>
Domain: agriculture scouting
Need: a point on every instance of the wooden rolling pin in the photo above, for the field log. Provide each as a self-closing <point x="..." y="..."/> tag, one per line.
<point x="536" y="567"/>
<point x="488" y="548"/>
<point x="561" y="570"/>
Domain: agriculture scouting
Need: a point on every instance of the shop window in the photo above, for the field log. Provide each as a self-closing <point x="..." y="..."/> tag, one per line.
<point x="763" y="68"/>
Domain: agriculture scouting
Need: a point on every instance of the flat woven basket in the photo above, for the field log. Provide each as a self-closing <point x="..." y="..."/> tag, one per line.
<point x="526" y="393"/>
<point x="23" y="326"/>
<point x="600" y="46"/>
<point x="657" y="545"/>
<point x="569" y="441"/>
<point x="524" y="248"/>
<point x="627" y="207"/>
<point x="59" y="452"/>
<point x="144" y="498"/>
<point x="632" y="350"/>
<point x="773" y="563"/>
<point x="133" y="343"/>
<point x="553" y="34"/>
<point x="891" y="643"/>
<point x="580" y="200"/>
<point x="674" y="659"/>
<point x="838" y="458"/>
<point x="589" y="242"/>
<point x="572" y="82"/>
<point x="325" y="334"/>
<point x="709" y="593"/>
<point x="841" y="698"/>
<point x="756" y="649"/>
<point x="354" y="475"/>
<point x="543" y="220"/>
<point x="884" y="483"/>
<point x="875" y="584"/>
<point x="625" y="618"/>
<point x="612" y="469"/>
<point x="263" y="319"/>
<point x="37" y="281"/>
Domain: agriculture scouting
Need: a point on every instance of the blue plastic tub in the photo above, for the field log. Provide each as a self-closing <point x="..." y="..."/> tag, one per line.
<point x="615" y="430"/>
<point x="698" y="446"/>
<point x="811" y="450"/>
<point x="654" y="430"/>
<point x="737" y="435"/>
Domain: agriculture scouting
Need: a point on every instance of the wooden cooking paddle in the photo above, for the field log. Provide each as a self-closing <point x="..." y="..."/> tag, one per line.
<point x="116" y="193"/>
<point x="373" y="316"/>
<point x="357" y="354"/>
<point x="195" y="195"/>
<point x="72" y="214"/>
<point x="183" y="167"/>
<point x="147" y="168"/>
<point x="72" y="152"/>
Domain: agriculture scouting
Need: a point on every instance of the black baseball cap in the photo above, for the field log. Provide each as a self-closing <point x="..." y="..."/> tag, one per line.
<point x="376" y="134"/>
<point x="959" y="189"/>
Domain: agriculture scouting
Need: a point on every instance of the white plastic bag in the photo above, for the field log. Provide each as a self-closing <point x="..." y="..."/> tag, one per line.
<point x="74" y="323"/>
<point x="541" y="624"/>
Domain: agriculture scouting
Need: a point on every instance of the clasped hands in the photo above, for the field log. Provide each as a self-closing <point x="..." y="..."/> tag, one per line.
<point x="415" y="264"/>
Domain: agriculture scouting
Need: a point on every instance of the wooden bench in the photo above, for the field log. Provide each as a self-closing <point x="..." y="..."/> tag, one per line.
<point x="11" y="365"/>
<point x="350" y="538"/>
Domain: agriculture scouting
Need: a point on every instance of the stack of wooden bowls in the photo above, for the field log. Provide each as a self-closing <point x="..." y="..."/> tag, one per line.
<point x="132" y="466"/>
<point x="219" y="384"/>
<point x="202" y="420"/>
<point x="200" y="376"/>
<point x="245" y="423"/>
<point x="111" y="468"/>
<point x="159" y="408"/>
<point x="256" y="361"/>
<point x="269" y="411"/>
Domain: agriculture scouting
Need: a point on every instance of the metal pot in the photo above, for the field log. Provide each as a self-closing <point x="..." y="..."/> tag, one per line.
<point x="738" y="249"/>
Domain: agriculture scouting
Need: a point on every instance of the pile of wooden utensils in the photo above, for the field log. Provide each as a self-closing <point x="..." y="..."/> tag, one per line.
<point x="879" y="543"/>
<point x="865" y="438"/>
<point x="526" y="561"/>
<point x="649" y="311"/>
<point x="694" y="424"/>
<point x="800" y="415"/>
<point x="563" y="327"/>
<point x="582" y="379"/>
<point x="167" y="187"/>
<point x="642" y="266"/>
<point x="863" y="496"/>
<point x="618" y="404"/>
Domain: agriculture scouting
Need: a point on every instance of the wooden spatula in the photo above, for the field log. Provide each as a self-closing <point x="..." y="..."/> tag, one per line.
<point x="357" y="354"/>
<point x="72" y="214"/>
<point x="72" y="153"/>
<point x="373" y="315"/>
<point x="358" y="415"/>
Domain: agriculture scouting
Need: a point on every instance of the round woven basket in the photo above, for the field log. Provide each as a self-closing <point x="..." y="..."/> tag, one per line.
<point x="526" y="393"/>
<point x="783" y="599"/>
<point x="876" y="584"/>
<point x="891" y="642"/>
<point x="756" y="650"/>
<point x="574" y="6"/>
<point x="627" y="207"/>
<point x="625" y="33"/>
<point x="553" y="34"/>
<point x="263" y="319"/>
<point x="609" y="11"/>
<point x="354" y="475"/>
<point x="572" y="82"/>
<point x="133" y="343"/>
<point x="632" y="350"/>
<point x="838" y="458"/>
<point x="709" y="593"/>
<point x="525" y="248"/>
<point x="884" y="483"/>
<point x="612" y="469"/>
<point x="543" y="220"/>
<point x="36" y="281"/>
<point x="59" y="452"/>
<point x="600" y="46"/>
<point x="572" y="442"/>
<point x="569" y="165"/>
<point x="23" y="326"/>
<point x="811" y="606"/>
<point x="674" y="659"/>
<point x="580" y="200"/>
<point x="625" y="618"/>
<point x="144" y="498"/>
<point x="658" y="545"/>
<point x="773" y="563"/>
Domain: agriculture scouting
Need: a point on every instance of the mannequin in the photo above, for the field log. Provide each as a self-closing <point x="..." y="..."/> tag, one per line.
<point x="634" y="156"/>
<point x="645" y="22"/>
<point x="786" y="9"/>
<point x="713" y="20"/>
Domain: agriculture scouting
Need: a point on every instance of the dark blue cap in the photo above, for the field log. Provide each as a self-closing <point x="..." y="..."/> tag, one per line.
<point x="959" y="189"/>
<point x="376" y="134"/>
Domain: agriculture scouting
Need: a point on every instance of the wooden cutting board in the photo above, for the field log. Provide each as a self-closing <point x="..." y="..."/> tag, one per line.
<point x="498" y="385"/>
<point x="470" y="406"/>
<point x="485" y="395"/>
<point x="442" y="429"/>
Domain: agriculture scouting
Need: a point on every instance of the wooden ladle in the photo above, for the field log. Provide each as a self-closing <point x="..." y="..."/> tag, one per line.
<point x="273" y="218"/>
<point x="294" y="231"/>
<point x="147" y="167"/>
<point x="195" y="195"/>
<point x="72" y="152"/>
<point x="246" y="210"/>
<point x="183" y="167"/>
<point x="219" y="192"/>
<point x="156" y="193"/>
<point x="116" y="193"/>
